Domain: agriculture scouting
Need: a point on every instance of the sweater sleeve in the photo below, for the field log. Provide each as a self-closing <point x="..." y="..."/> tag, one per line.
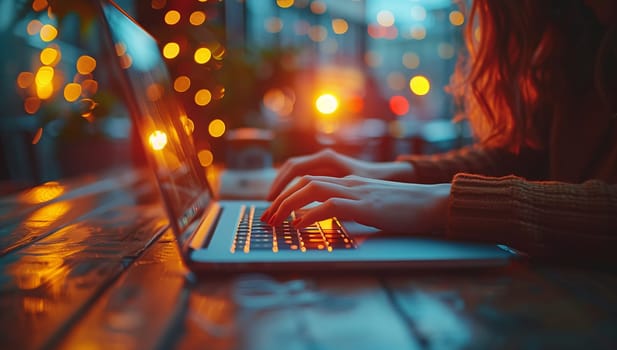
<point x="476" y="159"/>
<point x="546" y="219"/>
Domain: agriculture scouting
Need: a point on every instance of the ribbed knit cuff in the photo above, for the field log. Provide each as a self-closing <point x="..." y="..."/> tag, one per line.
<point x="541" y="218"/>
<point x="481" y="208"/>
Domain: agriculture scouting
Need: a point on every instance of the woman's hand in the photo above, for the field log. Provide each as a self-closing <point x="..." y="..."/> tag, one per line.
<point x="330" y="163"/>
<point x="386" y="205"/>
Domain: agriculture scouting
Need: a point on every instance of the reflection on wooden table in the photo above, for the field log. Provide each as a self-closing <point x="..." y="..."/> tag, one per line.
<point x="90" y="264"/>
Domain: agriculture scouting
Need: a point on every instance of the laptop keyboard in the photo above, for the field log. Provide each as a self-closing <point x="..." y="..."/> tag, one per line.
<point x="254" y="235"/>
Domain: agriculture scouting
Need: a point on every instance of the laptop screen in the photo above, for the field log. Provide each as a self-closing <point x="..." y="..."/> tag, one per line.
<point x="161" y="122"/>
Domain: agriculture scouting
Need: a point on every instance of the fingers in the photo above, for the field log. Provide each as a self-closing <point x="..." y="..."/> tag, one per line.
<point x="314" y="191"/>
<point x="340" y="207"/>
<point x="314" y="164"/>
<point x="304" y="181"/>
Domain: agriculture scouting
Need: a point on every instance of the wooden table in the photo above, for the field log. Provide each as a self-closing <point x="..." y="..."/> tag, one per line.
<point x="90" y="264"/>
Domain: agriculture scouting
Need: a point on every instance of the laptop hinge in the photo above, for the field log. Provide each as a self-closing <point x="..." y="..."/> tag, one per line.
<point x="206" y="227"/>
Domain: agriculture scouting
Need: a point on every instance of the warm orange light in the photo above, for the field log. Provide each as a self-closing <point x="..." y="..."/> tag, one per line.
<point x="188" y="124"/>
<point x="182" y="83"/>
<point x="202" y="55"/>
<point x="285" y="3"/>
<point x="85" y="64"/>
<point x="42" y="193"/>
<point x="171" y="50"/>
<point x="327" y="104"/>
<point x="420" y="85"/>
<point x="44" y="91"/>
<point x="197" y="18"/>
<point x="25" y="79"/>
<point x="339" y="26"/>
<point x="157" y="140"/>
<point x="32" y="105"/>
<point x="72" y="91"/>
<point x="205" y="157"/>
<point x="44" y="75"/>
<point x="172" y="17"/>
<point x="49" y="56"/>
<point x="203" y="97"/>
<point x="39" y="5"/>
<point x="37" y="136"/>
<point x="48" y="32"/>
<point x="216" y="128"/>
<point x="456" y="18"/>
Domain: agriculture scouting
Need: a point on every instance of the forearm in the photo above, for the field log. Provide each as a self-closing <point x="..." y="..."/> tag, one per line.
<point x="475" y="160"/>
<point x="541" y="218"/>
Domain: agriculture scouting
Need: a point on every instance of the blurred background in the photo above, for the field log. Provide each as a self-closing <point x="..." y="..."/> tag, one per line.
<point x="365" y="77"/>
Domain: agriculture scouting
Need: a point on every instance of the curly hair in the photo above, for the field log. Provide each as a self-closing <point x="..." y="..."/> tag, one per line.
<point x="523" y="56"/>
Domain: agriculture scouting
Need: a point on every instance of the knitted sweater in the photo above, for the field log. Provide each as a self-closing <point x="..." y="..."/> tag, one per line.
<point x="561" y="201"/>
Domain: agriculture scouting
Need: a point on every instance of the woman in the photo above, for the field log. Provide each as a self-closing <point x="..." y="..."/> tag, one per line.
<point x="539" y="87"/>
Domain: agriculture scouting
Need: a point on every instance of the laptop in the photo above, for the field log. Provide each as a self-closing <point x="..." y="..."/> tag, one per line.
<point x="227" y="235"/>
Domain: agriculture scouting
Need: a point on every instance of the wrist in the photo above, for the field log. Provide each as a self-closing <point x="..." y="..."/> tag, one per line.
<point x="396" y="171"/>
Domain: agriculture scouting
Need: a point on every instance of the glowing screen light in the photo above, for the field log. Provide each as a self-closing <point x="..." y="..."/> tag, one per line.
<point x="327" y="104"/>
<point x="157" y="140"/>
<point x="420" y="85"/>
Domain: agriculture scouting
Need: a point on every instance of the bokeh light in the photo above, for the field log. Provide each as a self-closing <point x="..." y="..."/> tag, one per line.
<point x="172" y="17"/>
<point x="44" y="75"/>
<point x="399" y="105"/>
<point x="197" y="18"/>
<point x="285" y="3"/>
<point x="48" y="32"/>
<point x="216" y="128"/>
<point x="340" y="26"/>
<point x="420" y="85"/>
<point x="206" y="158"/>
<point x="72" y="91"/>
<point x="85" y="64"/>
<point x="34" y="27"/>
<point x="318" y="7"/>
<point x="203" y="55"/>
<point x="203" y="97"/>
<point x="182" y="83"/>
<point x="25" y="79"/>
<point x="157" y="140"/>
<point x="456" y="18"/>
<point x="385" y="18"/>
<point x="327" y="103"/>
<point x="171" y="50"/>
<point x="49" y="56"/>
<point x="418" y="32"/>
